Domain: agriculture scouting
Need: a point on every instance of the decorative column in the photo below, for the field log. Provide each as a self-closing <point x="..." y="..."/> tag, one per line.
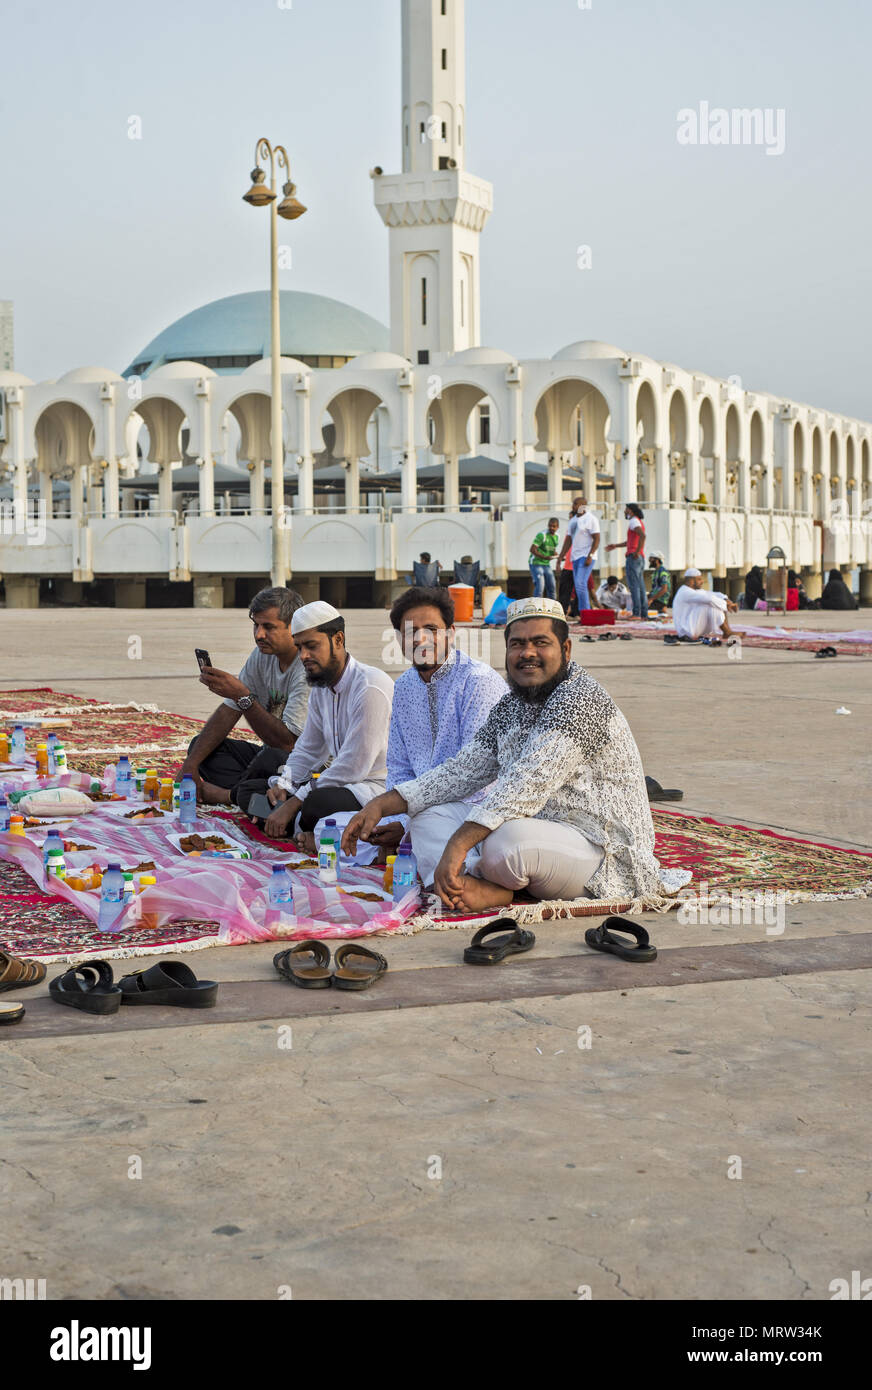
<point x="555" y="481"/>
<point x="352" y="485"/>
<point x="256" y="486"/>
<point x="409" y="481"/>
<point x="165" y="487"/>
<point x="451" y="482"/>
<point x="306" y="476"/>
<point x="661" y="475"/>
<point x="517" y="453"/>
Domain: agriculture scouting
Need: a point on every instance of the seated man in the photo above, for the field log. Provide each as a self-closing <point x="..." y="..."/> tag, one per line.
<point x="613" y="594"/>
<point x="698" y="613"/>
<point x="568" y="810"/>
<point x="439" y="705"/>
<point x="346" y="733"/>
<point x="661" y="585"/>
<point x="270" y="691"/>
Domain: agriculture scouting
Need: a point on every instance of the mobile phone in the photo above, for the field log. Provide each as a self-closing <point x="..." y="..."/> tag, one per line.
<point x="260" y="806"/>
<point x="203" y="658"/>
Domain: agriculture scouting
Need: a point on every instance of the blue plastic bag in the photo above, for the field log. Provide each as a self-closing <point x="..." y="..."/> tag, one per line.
<point x="497" y="614"/>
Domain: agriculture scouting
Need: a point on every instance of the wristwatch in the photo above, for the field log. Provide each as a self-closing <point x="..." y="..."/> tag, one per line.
<point x="245" y="702"/>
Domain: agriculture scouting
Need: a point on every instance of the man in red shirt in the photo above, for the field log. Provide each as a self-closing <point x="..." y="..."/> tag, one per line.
<point x="635" y="567"/>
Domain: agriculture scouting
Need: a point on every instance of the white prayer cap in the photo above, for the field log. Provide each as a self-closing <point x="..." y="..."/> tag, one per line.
<point x="534" y="608"/>
<point x="692" y="573"/>
<point x="313" y="615"/>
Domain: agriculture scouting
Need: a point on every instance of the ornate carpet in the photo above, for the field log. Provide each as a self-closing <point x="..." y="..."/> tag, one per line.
<point x="725" y="860"/>
<point x="777" y="638"/>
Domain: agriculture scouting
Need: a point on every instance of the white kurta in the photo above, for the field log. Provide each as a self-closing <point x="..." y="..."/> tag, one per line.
<point x="698" y="613"/>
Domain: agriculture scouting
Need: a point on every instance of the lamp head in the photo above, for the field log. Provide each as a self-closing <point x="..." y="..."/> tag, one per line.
<point x="258" y="194"/>
<point x="290" y="207"/>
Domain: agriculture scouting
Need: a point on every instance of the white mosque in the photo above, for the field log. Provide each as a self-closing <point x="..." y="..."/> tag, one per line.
<point x="408" y="439"/>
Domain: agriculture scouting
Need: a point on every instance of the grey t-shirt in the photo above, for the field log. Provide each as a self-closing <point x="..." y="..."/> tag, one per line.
<point x="284" y="694"/>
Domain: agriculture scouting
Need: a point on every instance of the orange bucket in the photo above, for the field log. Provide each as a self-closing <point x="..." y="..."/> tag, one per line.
<point x="464" y="599"/>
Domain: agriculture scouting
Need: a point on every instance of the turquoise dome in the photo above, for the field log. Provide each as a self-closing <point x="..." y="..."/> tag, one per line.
<point x="229" y="334"/>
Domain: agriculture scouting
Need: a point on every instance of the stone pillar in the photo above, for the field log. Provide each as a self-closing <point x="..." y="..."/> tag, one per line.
<point x="719" y="482"/>
<point x="112" y="491"/>
<point x="256" y="487"/>
<point x="555" y="481"/>
<point x="691" y="474"/>
<point x="45" y="492"/>
<point x="451" y="482"/>
<point x="813" y="582"/>
<point x="308" y="586"/>
<point x="77" y="494"/>
<point x="409" y="483"/>
<point x="352" y="485"/>
<point x="306" y="484"/>
<point x="207" y="486"/>
<point x="590" y="472"/>
<point x="208" y="591"/>
<point x="229" y="592"/>
<point x="129" y="593"/>
<point x="165" y="488"/>
<point x="865" y="588"/>
<point x="22" y="591"/>
<point x="660" y="475"/>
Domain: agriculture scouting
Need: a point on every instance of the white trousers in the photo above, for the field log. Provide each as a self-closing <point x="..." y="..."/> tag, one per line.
<point x="548" y="859"/>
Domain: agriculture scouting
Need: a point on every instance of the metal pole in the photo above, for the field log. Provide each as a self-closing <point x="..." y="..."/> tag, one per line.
<point x="276" y="440"/>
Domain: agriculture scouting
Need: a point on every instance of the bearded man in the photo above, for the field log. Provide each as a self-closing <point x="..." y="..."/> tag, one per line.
<point x="567" y="814"/>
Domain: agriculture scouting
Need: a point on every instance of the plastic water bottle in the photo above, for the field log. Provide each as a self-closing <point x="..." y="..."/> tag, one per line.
<point x="281" y="893"/>
<point x="52" y="743"/>
<point x="111" y="898"/>
<point x="56" y="867"/>
<point x="17" y="752"/>
<point x="122" y="776"/>
<point x="4" y="814"/>
<point x="60" y="758"/>
<point x="328" y="853"/>
<point x="188" y="800"/>
<point x="109" y="777"/>
<point x="405" y="871"/>
<point x="53" y="845"/>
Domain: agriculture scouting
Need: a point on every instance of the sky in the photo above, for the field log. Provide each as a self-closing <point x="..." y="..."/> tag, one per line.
<point x="718" y="257"/>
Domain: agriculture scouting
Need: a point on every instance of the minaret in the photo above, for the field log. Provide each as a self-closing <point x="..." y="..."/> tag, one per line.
<point x="434" y="209"/>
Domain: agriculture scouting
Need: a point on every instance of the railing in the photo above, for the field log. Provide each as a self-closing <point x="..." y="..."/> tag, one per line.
<point x="480" y="507"/>
<point x="365" y="509"/>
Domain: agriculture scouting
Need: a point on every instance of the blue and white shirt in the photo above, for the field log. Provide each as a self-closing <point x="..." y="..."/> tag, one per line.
<point x="432" y="720"/>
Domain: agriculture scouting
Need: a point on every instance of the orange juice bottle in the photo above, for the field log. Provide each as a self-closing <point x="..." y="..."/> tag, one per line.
<point x="16" y="825"/>
<point x="4" y="746"/>
<point x="389" y="873"/>
<point x="42" y="760"/>
<point x="151" y="786"/>
<point x="165" y="797"/>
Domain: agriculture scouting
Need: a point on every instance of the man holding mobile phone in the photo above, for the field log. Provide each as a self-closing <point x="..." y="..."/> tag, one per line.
<point x="270" y="691"/>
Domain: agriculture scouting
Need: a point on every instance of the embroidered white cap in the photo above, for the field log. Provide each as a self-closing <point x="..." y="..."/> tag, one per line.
<point x="313" y="615"/>
<point x="692" y="573"/>
<point x="534" y="608"/>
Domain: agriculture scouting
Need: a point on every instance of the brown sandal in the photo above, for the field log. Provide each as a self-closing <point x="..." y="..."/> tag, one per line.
<point x="16" y="974"/>
<point x="358" y="975"/>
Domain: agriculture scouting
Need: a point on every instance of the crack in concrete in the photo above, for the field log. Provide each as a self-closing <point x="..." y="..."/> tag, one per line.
<point x="10" y="1163"/>
<point x="781" y="1255"/>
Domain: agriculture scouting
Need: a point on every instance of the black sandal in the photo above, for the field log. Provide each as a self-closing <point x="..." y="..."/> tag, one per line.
<point x="600" y="939"/>
<point x="11" y="1013"/>
<point x="512" y="943"/>
<point x="311" y="974"/>
<point x="168" y="982"/>
<point x="826" y="651"/>
<point x="361" y="976"/>
<point x="658" y="793"/>
<point x="96" y="992"/>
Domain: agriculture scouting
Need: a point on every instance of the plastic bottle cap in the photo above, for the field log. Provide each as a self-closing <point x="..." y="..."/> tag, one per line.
<point x="114" y="866"/>
<point x="392" y="859"/>
<point x="152" y="772"/>
<point x="128" y="877"/>
<point x="145" y="879"/>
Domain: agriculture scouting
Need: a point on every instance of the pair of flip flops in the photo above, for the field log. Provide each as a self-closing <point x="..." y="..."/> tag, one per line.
<point x="356" y="967"/>
<point x="826" y="651"/>
<point x="91" y="987"/>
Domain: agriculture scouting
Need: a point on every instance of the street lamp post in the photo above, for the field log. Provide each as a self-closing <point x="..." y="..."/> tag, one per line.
<point x="259" y="195"/>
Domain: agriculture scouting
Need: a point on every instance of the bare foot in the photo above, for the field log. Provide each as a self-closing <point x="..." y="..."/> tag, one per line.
<point x="214" y="796"/>
<point x="306" y="841"/>
<point x="479" y="893"/>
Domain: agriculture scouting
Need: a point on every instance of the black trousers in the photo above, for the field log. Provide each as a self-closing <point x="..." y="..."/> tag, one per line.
<point x="321" y="801"/>
<point x="226" y="764"/>
<point x="566" y="592"/>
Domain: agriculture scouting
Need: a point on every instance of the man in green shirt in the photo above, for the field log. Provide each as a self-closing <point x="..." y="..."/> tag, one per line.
<point x="661" y="585"/>
<point x="542" y="552"/>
